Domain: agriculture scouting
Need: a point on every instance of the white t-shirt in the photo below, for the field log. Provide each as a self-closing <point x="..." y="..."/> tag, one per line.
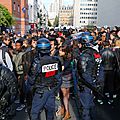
<point x="8" y="60"/>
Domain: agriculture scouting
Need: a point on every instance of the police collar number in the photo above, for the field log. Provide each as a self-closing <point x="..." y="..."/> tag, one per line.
<point x="49" y="67"/>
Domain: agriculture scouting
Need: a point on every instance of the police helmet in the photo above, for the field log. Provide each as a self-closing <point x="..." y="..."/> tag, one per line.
<point x="87" y="39"/>
<point x="43" y="46"/>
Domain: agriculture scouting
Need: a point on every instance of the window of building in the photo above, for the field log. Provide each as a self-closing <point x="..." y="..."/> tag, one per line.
<point x="14" y="6"/>
<point x="18" y="8"/>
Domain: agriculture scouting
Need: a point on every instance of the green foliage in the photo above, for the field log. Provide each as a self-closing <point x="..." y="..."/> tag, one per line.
<point x="90" y="27"/>
<point x="6" y="18"/>
<point x="49" y="23"/>
<point x="56" y="22"/>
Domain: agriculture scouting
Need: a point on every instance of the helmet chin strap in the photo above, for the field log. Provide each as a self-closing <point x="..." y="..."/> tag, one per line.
<point x="39" y="54"/>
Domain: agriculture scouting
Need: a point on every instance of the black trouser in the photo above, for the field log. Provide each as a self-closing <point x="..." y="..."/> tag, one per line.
<point x="21" y="87"/>
<point x="109" y="82"/>
<point x="29" y="96"/>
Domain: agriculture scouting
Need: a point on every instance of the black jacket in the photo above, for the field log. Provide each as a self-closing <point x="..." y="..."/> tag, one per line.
<point x="109" y="60"/>
<point x="42" y="74"/>
<point x="8" y="87"/>
<point x="88" y="64"/>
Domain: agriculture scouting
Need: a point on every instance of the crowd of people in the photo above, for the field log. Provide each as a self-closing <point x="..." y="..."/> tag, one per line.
<point x="49" y="63"/>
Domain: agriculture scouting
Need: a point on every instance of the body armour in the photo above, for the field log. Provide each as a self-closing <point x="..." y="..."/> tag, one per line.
<point x="88" y="64"/>
<point x="45" y="71"/>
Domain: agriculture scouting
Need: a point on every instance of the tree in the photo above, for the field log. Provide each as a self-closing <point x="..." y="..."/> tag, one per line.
<point x="56" y="22"/>
<point x="6" y="18"/>
<point x="49" y="23"/>
<point x="90" y="27"/>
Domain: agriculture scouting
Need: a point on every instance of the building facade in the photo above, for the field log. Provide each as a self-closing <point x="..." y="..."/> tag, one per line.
<point x="85" y="12"/>
<point x="38" y="15"/>
<point x="33" y="9"/>
<point x="54" y="10"/>
<point x="24" y="16"/>
<point x="66" y="16"/>
<point x="19" y="11"/>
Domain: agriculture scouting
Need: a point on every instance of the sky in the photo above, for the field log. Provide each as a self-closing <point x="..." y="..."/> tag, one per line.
<point x="65" y="2"/>
<point x="47" y="2"/>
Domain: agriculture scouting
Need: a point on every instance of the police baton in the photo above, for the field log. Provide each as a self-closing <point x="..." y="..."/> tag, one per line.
<point x="87" y="84"/>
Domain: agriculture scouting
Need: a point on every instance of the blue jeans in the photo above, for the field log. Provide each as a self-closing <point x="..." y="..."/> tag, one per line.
<point x="86" y="99"/>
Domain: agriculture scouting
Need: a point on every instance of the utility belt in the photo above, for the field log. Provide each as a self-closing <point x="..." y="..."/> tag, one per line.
<point x="42" y="90"/>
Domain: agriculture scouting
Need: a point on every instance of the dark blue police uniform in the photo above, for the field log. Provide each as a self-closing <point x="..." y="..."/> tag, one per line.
<point x="88" y="65"/>
<point x="46" y="80"/>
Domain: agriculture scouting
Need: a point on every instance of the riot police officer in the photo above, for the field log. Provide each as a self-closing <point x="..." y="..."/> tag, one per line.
<point x="8" y="91"/>
<point x="88" y="64"/>
<point x="46" y="80"/>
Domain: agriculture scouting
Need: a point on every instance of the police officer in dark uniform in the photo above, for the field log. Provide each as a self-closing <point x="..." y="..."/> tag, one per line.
<point x="88" y="64"/>
<point x="8" y="92"/>
<point x="46" y="80"/>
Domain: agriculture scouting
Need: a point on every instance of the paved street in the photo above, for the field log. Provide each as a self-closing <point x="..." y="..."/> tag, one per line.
<point x="100" y="112"/>
<point x="74" y="113"/>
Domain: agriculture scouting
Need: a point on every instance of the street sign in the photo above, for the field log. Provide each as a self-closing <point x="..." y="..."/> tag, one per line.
<point x="24" y="9"/>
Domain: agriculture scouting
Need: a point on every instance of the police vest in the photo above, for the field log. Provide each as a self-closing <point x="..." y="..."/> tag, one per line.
<point x="50" y="66"/>
<point x="96" y="60"/>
